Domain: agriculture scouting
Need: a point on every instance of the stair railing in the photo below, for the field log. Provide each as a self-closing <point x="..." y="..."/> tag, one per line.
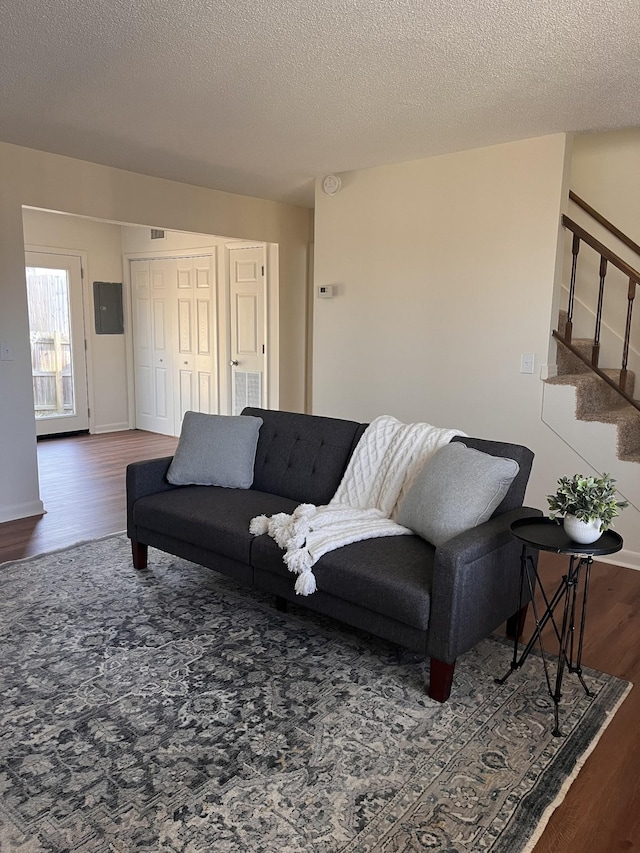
<point x="606" y="257"/>
<point x="594" y="214"/>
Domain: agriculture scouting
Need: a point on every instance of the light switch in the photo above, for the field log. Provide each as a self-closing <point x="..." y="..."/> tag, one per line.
<point x="6" y="353"/>
<point x="527" y="362"/>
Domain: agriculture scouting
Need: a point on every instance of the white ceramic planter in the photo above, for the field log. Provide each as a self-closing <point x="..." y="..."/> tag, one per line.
<point x="582" y="532"/>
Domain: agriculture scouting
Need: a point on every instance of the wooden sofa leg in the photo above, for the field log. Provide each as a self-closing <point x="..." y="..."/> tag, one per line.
<point x="139" y="551"/>
<point x="515" y="623"/>
<point x="281" y="604"/>
<point x="440" y="679"/>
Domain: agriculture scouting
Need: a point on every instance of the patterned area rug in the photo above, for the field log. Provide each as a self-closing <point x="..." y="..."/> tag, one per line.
<point x="172" y="710"/>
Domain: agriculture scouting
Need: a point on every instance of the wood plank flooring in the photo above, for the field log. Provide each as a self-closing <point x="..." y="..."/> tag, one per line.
<point x="82" y="485"/>
<point x="83" y="488"/>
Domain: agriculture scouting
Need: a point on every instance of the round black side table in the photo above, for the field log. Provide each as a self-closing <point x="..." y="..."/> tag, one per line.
<point x="545" y="534"/>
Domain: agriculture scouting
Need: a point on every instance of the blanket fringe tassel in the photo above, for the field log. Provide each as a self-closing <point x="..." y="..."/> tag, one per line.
<point x="306" y="583"/>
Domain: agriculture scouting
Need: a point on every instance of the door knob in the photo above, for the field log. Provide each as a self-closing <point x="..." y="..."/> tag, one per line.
<point x="234" y="362"/>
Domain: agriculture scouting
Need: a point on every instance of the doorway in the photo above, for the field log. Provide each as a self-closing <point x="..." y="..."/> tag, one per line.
<point x="203" y="323"/>
<point x="57" y="339"/>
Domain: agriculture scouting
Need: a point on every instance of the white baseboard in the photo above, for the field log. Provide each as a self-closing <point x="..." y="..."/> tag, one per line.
<point x="26" y="510"/>
<point x="624" y="558"/>
<point x="98" y="430"/>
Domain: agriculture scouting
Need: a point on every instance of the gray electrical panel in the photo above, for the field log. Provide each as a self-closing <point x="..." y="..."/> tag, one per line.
<point x="107" y="304"/>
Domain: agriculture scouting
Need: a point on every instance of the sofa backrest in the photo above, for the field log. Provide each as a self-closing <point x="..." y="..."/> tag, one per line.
<point x="302" y="457"/>
<point x="522" y="455"/>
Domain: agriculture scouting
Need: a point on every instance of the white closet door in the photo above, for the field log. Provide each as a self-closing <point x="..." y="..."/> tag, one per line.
<point x="153" y="285"/>
<point x="174" y="340"/>
<point x="195" y="374"/>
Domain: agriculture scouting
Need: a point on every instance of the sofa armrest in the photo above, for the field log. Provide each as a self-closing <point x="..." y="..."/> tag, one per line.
<point x="145" y="478"/>
<point x="476" y="583"/>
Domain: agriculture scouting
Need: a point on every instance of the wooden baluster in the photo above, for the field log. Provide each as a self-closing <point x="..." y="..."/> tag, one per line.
<point x="595" y="351"/>
<point x="627" y="334"/>
<point x="575" y="248"/>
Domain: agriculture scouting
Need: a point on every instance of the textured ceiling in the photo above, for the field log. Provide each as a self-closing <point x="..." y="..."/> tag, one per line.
<point x="259" y="98"/>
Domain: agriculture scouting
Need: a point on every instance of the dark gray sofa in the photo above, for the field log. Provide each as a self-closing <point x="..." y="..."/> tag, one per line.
<point x="437" y="602"/>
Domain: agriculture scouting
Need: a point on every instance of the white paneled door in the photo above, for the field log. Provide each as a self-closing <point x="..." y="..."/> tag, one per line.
<point x="173" y="340"/>
<point x="248" y="327"/>
<point x="196" y="389"/>
<point x="154" y="294"/>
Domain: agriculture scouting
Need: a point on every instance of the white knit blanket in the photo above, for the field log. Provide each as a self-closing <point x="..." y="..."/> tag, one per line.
<point x="380" y="472"/>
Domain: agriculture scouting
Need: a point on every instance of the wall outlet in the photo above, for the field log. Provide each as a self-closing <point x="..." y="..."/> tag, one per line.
<point x="6" y="353"/>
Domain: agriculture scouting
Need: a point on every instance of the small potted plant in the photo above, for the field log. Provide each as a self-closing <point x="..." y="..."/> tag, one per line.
<point x="585" y="505"/>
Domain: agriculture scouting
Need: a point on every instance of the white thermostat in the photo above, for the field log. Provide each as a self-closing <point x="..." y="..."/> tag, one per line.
<point x="325" y="291"/>
<point x="331" y="184"/>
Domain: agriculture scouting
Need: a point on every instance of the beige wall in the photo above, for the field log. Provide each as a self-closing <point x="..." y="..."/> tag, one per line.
<point x="51" y="182"/>
<point x="605" y="172"/>
<point x="445" y="274"/>
<point x="138" y="239"/>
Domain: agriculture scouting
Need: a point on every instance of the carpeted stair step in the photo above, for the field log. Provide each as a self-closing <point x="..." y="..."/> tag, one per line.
<point x="597" y="401"/>
<point x="594" y="396"/>
<point x="570" y="364"/>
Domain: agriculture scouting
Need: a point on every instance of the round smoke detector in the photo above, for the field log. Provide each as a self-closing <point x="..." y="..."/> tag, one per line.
<point x="331" y="184"/>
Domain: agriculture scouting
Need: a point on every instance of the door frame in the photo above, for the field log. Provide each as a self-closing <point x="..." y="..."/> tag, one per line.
<point x="221" y="301"/>
<point x="86" y="315"/>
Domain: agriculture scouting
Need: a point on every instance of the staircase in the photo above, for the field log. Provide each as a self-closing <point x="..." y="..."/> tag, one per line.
<point x="596" y="399"/>
<point x="591" y="404"/>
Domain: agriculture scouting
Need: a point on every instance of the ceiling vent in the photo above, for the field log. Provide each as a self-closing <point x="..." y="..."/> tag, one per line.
<point x="157" y="234"/>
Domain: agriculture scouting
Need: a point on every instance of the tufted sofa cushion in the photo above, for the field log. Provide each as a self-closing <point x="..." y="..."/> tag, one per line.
<point x="302" y="458"/>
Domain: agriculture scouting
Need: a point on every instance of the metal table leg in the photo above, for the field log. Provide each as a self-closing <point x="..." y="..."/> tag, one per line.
<point x="567" y="593"/>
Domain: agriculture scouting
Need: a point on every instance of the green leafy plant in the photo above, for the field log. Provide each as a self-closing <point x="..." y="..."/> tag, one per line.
<point x="588" y="498"/>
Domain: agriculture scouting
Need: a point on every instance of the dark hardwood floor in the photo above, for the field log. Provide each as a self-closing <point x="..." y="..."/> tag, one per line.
<point x="83" y="488"/>
<point x="82" y="485"/>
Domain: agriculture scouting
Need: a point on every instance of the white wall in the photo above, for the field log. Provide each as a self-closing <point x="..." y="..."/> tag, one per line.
<point x="445" y="274"/>
<point x="101" y="243"/>
<point x="51" y="182"/>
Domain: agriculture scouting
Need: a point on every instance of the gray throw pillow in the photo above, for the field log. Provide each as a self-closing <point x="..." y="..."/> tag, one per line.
<point x="458" y="488"/>
<point x="215" y="450"/>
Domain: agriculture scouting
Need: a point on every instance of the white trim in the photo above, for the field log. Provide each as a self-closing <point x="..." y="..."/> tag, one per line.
<point x="119" y="427"/>
<point x="87" y="316"/>
<point x="25" y="510"/>
<point x="272" y="304"/>
<point x="626" y="559"/>
<point x="128" y="340"/>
